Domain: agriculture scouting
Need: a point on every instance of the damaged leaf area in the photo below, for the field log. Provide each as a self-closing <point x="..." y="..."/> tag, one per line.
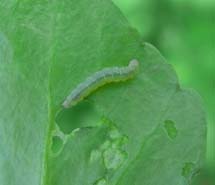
<point x="144" y="131"/>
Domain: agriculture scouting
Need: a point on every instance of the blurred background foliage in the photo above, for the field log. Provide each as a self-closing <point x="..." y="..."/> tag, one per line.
<point x="184" y="32"/>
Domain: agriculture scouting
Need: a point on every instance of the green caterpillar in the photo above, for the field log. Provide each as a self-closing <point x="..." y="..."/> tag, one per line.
<point x="100" y="78"/>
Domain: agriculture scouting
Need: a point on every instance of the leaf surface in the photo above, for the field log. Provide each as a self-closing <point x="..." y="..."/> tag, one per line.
<point x="143" y="131"/>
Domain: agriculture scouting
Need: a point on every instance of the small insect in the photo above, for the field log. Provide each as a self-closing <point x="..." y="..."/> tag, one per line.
<point x="100" y="78"/>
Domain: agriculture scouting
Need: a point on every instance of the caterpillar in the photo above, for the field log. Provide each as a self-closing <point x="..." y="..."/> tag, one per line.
<point x="100" y="78"/>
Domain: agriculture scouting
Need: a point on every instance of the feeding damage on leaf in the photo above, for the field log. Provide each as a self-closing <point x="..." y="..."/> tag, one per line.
<point x="112" y="150"/>
<point x="171" y="129"/>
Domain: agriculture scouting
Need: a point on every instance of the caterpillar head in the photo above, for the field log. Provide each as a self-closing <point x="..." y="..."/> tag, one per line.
<point x="134" y="63"/>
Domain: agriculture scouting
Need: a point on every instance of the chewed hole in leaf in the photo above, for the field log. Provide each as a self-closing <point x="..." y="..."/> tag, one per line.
<point x="170" y="128"/>
<point x="82" y="115"/>
<point x="101" y="182"/>
<point x="57" y="144"/>
<point x="188" y="169"/>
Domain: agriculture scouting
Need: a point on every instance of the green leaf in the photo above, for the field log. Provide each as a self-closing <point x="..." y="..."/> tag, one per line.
<point x="143" y="131"/>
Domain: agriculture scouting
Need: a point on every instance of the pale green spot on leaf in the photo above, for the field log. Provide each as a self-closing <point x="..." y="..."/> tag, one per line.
<point x="114" y="158"/>
<point x="170" y="129"/>
<point x="95" y="155"/>
<point x="114" y="133"/>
